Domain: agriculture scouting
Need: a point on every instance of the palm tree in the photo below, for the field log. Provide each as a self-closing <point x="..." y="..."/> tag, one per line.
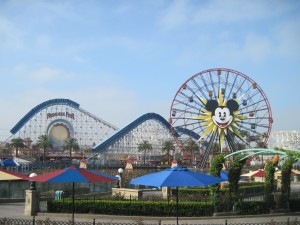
<point x="191" y="147"/>
<point x="167" y="147"/>
<point x="17" y="143"/>
<point x="44" y="142"/>
<point x="144" y="147"/>
<point x="71" y="144"/>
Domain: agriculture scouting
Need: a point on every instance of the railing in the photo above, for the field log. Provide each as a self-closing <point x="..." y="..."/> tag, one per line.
<point x="34" y="221"/>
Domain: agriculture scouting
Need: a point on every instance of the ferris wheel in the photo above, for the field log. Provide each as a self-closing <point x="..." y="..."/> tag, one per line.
<point x="220" y="107"/>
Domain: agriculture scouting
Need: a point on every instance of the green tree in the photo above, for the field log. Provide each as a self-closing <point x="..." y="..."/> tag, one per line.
<point x="269" y="185"/>
<point x="167" y="147"/>
<point x="144" y="147"/>
<point x="286" y="182"/>
<point x="6" y="149"/>
<point x="215" y="170"/>
<point x="234" y="173"/>
<point x="44" y="142"/>
<point x="17" y="143"/>
<point x="71" y="144"/>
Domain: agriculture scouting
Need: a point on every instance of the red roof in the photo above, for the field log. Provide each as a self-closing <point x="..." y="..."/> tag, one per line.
<point x="260" y="173"/>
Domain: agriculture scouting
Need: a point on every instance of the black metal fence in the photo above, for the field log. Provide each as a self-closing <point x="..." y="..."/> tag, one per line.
<point x="90" y="199"/>
<point x="34" y="221"/>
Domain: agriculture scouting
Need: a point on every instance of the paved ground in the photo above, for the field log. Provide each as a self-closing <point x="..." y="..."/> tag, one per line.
<point x="16" y="210"/>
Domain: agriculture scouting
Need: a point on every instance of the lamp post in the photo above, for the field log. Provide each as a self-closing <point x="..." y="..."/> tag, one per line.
<point x="120" y="171"/>
<point x="32" y="199"/>
<point x="32" y="183"/>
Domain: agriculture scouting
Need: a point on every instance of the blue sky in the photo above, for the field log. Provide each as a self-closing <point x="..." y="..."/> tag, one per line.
<point x="121" y="59"/>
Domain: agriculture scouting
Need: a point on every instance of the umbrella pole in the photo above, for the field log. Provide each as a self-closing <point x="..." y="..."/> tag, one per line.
<point x="73" y="204"/>
<point x="177" y="204"/>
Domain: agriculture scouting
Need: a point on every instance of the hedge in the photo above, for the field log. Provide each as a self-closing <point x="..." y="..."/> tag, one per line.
<point x="126" y="207"/>
<point x="150" y="208"/>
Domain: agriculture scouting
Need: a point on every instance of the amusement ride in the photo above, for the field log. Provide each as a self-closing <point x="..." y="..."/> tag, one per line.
<point x="220" y="107"/>
<point x="214" y="109"/>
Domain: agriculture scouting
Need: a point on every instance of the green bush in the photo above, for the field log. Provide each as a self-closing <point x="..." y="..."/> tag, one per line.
<point x="196" y="193"/>
<point x="252" y="189"/>
<point x="126" y="207"/>
<point x="252" y="208"/>
<point x="203" y="193"/>
<point x="159" y="208"/>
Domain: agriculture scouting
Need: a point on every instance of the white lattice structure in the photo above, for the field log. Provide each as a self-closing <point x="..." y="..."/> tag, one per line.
<point x="123" y="143"/>
<point x="61" y="119"/>
<point x="285" y="139"/>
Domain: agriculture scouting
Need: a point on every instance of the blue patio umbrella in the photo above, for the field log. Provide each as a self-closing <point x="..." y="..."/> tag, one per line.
<point x="177" y="177"/>
<point x="224" y="175"/>
<point x="74" y="175"/>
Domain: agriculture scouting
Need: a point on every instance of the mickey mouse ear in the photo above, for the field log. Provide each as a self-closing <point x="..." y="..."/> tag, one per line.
<point x="211" y="105"/>
<point x="232" y="105"/>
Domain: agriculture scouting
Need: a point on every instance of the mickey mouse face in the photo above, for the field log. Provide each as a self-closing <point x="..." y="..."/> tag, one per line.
<point x="222" y="117"/>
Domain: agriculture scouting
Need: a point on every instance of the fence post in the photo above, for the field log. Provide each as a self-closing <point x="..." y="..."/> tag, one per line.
<point x="130" y="206"/>
<point x="225" y="222"/>
<point x="32" y="202"/>
<point x="94" y="202"/>
<point x="94" y="221"/>
<point x="33" y="220"/>
<point x="288" y="221"/>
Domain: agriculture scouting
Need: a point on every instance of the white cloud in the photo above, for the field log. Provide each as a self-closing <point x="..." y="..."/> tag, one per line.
<point x="43" y="41"/>
<point x="221" y="12"/>
<point x="45" y="74"/>
<point x="288" y="34"/>
<point x="257" y="47"/>
<point x="175" y="15"/>
<point x="10" y="35"/>
<point x="243" y="11"/>
<point x="80" y="59"/>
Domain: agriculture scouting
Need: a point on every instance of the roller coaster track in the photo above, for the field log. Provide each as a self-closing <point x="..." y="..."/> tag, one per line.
<point x="125" y="130"/>
<point x="52" y="102"/>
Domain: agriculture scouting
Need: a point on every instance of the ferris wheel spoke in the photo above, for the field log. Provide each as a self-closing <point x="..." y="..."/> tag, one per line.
<point x="191" y="99"/>
<point x="194" y="93"/>
<point x="255" y="94"/>
<point x="250" y="130"/>
<point x="191" y="124"/>
<point x="208" y="150"/>
<point x="226" y="79"/>
<point x="230" y="139"/>
<point x="233" y="83"/>
<point x="199" y="89"/>
<point x="213" y="86"/>
<point x="262" y="125"/>
<point x="176" y="110"/>
<point x="258" y="119"/>
<point x="261" y="109"/>
<point x="256" y="103"/>
<point x="184" y="103"/>
<point x="240" y="86"/>
<point x="219" y="83"/>
<point x="248" y="90"/>
<point x="205" y="84"/>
